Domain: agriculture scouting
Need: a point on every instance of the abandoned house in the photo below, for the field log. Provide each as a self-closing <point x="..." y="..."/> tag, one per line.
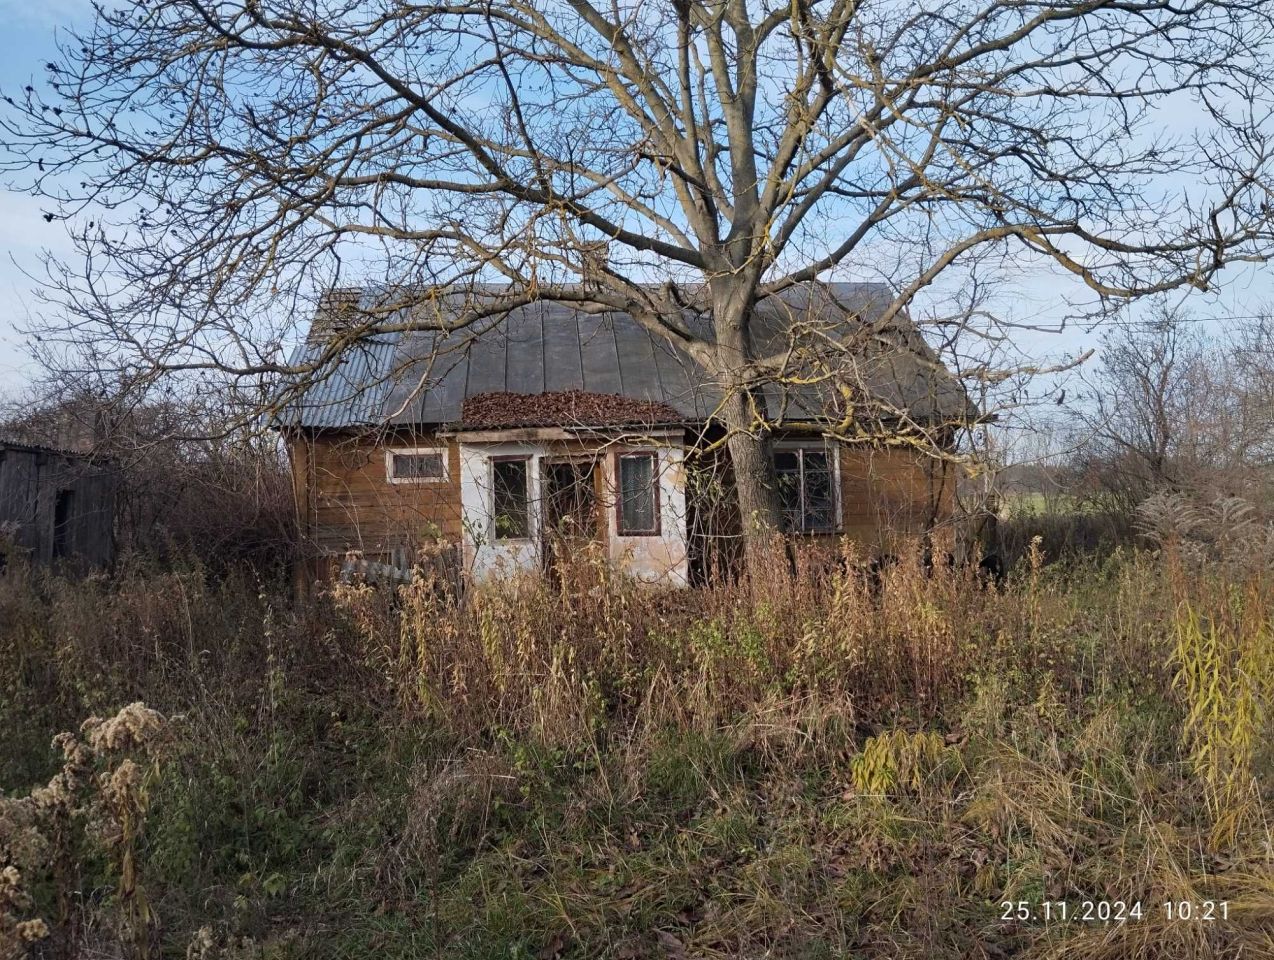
<point x="545" y="429"/>
<point x="56" y="507"/>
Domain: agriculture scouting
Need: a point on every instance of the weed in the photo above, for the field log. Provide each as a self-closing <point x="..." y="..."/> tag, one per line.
<point x="578" y="766"/>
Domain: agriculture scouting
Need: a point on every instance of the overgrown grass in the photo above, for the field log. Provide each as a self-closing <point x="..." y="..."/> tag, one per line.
<point x="805" y="767"/>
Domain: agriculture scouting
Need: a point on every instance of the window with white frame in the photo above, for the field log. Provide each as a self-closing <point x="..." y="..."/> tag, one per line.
<point x="511" y="497"/>
<point x="807" y="488"/>
<point x="416" y="465"/>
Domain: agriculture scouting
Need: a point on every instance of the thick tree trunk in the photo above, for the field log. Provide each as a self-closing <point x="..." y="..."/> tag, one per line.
<point x="747" y="437"/>
<point x="754" y="482"/>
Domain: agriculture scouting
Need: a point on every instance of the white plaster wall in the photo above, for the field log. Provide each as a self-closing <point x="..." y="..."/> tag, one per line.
<point x="485" y="557"/>
<point x="662" y="559"/>
<point x="665" y="558"/>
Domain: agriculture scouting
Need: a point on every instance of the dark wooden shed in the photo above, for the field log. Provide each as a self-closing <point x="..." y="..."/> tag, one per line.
<point x="56" y="507"/>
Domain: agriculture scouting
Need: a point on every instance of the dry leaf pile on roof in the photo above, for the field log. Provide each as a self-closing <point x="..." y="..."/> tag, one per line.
<point x="565" y="408"/>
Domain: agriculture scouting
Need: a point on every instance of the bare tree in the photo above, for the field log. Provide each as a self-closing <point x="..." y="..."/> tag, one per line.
<point x="1140" y="404"/>
<point x="1251" y="349"/>
<point x="1171" y="409"/>
<point x="223" y="161"/>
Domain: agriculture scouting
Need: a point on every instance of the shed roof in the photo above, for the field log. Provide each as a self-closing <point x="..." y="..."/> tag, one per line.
<point x="12" y="443"/>
<point x="425" y="376"/>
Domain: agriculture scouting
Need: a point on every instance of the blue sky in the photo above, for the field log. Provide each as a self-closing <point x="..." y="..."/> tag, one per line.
<point x="26" y="43"/>
<point x="1033" y="295"/>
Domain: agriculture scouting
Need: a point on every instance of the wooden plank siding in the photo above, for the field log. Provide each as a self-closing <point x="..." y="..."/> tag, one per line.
<point x="56" y="507"/>
<point x="347" y="502"/>
<point x="890" y="493"/>
<point x="20" y="499"/>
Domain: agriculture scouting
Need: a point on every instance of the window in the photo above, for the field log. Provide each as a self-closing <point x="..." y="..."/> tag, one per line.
<point x="510" y="506"/>
<point x="638" y="502"/>
<point x="416" y="465"/>
<point x="807" y="489"/>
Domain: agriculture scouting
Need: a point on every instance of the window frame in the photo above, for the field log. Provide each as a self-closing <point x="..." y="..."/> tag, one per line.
<point x="531" y="518"/>
<point x="442" y="452"/>
<point x="653" y="457"/>
<point x="832" y="450"/>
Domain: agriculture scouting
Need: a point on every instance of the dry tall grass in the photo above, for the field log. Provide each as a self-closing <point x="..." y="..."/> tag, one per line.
<point x="552" y="658"/>
<point x="821" y="764"/>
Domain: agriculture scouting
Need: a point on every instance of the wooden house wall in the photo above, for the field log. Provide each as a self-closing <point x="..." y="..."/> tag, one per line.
<point x="20" y="499"/>
<point x="347" y="502"/>
<point x="892" y="493"/>
<point x="888" y="495"/>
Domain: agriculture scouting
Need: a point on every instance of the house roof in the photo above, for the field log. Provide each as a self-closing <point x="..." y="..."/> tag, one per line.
<point x="433" y="376"/>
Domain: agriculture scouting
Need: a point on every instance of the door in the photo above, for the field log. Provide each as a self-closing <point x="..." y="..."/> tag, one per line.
<point x="570" y="514"/>
<point x="63" y="518"/>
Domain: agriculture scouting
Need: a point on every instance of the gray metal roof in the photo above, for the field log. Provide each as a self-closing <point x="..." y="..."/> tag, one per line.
<point x="347" y="391"/>
<point x="423" y="376"/>
<point x="13" y="443"/>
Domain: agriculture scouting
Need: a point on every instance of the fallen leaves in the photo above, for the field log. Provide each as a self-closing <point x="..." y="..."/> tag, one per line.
<point x="563" y="408"/>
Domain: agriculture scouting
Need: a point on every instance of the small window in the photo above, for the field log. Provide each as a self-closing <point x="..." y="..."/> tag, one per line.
<point x="807" y="489"/>
<point x="416" y="465"/>
<point x="638" y="508"/>
<point x="510" y="498"/>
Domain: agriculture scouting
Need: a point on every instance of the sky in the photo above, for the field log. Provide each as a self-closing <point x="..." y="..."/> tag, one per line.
<point x="1034" y="295"/>
<point x="26" y="44"/>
